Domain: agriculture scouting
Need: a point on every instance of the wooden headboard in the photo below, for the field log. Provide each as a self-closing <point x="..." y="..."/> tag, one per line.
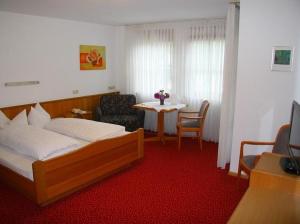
<point x="58" y="108"/>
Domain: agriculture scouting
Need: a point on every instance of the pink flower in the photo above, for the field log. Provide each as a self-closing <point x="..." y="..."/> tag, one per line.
<point x="161" y="95"/>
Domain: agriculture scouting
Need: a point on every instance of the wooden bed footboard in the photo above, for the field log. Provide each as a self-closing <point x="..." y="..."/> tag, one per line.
<point x="63" y="175"/>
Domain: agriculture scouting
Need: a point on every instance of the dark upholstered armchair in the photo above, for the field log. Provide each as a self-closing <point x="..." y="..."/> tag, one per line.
<point x="117" y="109"/>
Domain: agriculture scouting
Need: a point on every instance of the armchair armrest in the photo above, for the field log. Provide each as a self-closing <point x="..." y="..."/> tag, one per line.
<point x="141" y="116"/>
<point x="98" y="113"/>
<point x="190" y="117"/>
<point x="188" y="112"/>
<point x="243" y="143"/>
<point x="182" y="113"/>
<point x="140" y="113"/>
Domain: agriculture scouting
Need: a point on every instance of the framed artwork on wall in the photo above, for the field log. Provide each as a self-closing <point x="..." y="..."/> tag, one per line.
<point x="92" y="57"/>
<point x="282" y="58"/>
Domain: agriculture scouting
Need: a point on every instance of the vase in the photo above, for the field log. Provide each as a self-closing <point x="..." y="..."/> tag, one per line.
<point x="162" y="101"/>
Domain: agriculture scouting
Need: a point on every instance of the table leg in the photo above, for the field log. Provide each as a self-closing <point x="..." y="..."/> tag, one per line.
<point x="160" y="130"/>
<point x="161" y="126"/>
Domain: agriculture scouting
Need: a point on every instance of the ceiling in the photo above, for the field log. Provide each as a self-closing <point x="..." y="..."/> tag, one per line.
<point x="119" y="12"/>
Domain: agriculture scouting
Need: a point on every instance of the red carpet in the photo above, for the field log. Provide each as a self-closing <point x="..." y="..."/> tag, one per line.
<point x="166" y="187"/>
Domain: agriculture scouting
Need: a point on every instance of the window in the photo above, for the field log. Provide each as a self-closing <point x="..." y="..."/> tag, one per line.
<point x="183" y="59"/>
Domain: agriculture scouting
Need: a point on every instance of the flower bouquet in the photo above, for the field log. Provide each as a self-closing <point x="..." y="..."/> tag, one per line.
<point x="161" y="96"/>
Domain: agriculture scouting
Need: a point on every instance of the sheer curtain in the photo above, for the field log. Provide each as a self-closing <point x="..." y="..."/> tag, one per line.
<point x="202" y="77"/>
<point x="149" y="64"/>
<point x="185" y="59"/>
<point x="229" y="86"/>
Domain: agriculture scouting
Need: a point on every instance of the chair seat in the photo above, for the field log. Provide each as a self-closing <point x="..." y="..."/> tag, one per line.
<point x="190" y="123"/>
<point x="250" y="160"/>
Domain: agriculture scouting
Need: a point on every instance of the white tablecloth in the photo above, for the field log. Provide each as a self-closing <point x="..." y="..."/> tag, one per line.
<point x="167" y="106"/>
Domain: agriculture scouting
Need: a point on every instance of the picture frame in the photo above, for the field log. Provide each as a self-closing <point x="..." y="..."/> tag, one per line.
<point x="282" y="58"/>
<point x="92" y="57"/>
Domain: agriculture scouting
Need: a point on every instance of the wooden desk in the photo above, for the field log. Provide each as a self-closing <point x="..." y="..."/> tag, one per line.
<point x="268" y="174"/>
<point x="273" y="195"/>
<point x="161" y="110"/>
<point x="262" y="205"/>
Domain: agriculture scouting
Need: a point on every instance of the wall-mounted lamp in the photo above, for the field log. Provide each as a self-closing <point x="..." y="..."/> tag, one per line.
<point x="24" y="83"/>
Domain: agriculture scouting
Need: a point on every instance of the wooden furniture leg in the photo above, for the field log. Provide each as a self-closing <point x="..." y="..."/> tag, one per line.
<point x="200" y="140"/>
<point x="161" y="126"/>
<point x="160" y="130"/>
<point x="179" y="138"/>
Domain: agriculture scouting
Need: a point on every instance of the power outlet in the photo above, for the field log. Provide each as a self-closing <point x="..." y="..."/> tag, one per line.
<point x="111" y="87"/>
<point x="75" y="91"/>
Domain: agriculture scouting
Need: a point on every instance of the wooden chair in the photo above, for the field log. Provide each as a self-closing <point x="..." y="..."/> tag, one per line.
<point x="189" y="121"/>
<point x="280" y="146"/>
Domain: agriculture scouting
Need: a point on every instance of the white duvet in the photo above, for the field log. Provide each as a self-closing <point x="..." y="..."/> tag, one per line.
<point x="84" y="129"/>
<point x="35" y="142"/>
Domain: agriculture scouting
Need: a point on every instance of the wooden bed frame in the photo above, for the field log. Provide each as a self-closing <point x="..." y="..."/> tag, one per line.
<point x="55" y="178"/>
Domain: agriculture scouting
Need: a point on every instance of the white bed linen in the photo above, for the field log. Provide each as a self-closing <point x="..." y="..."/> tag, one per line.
<point x="35" y="142"/>
<point x="84" y="129"/>
<point x="37" y="118"/>
<point x="3" y="120"/>
<point x="22" y="164"/>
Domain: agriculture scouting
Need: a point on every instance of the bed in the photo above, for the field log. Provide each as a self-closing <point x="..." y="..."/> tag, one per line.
<point x="57" y="177"/>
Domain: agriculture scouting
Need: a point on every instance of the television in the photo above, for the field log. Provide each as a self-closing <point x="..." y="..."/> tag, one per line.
<point x="291" y="164"/>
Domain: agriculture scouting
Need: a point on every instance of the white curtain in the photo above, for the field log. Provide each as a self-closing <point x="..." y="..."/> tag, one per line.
<point x="184" y="59"/>
<point x="202" y="77"/>
<point x="229" y="86"/>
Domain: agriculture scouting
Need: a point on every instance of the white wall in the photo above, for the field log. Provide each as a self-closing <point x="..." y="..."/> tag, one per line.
<point x="297" y="69"/>
<point x="47" y="50"/>
<point x="121" y="81"/>
<point x="263" y="97"/>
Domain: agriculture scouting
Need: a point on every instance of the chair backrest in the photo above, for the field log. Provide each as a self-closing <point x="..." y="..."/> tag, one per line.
<point x="203" y="111"/>
<point x="282" y="140"/>
<point x="118" y="104"/>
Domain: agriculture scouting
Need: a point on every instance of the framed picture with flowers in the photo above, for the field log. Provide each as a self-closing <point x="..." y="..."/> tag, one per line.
<point x="92" y="57"/>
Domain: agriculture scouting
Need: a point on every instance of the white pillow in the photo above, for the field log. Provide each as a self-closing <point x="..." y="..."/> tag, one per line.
<point x="37" y="118"/>
<point x="20" y="119"/>
<point x="3" y="120"/>
<point x="35" y="142"/>
<point x="40" y="109"/>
